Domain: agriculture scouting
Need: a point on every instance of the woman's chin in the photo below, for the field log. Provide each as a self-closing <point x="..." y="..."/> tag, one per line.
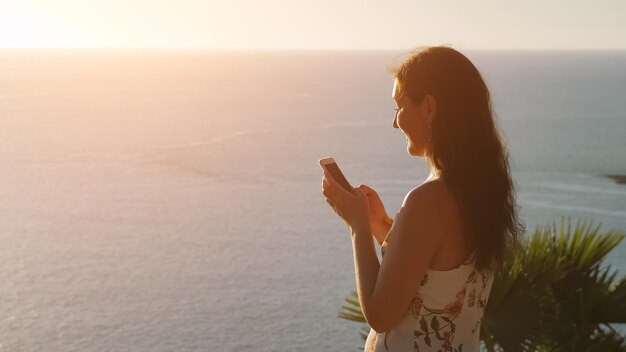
<point x="414" y="152"/>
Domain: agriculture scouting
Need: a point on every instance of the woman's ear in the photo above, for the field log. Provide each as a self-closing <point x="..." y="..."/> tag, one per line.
<point x="430" y="106"/>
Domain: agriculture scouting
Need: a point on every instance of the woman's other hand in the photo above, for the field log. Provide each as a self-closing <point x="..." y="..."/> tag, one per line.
<point x="377" y="213"/>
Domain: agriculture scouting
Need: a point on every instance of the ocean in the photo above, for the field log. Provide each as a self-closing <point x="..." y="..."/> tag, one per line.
<point x="172" y="201"/>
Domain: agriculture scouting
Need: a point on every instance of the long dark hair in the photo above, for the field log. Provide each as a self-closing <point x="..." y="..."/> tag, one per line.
<point x="466" y="150"/>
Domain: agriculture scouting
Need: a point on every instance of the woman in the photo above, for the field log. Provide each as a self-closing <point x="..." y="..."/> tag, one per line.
<point x="452" y="231"/>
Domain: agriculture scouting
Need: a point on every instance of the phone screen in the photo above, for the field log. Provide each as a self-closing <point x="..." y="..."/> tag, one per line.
<point x="338" y="176"/>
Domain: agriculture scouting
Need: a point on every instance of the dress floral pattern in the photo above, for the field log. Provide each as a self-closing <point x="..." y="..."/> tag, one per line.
<point x="440" y="324"/>
<point x="444" y="315"/>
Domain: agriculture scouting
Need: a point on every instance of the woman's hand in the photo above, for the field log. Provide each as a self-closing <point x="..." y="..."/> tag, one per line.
<point x="377" y="213"/>
<point x="352" y="208"/>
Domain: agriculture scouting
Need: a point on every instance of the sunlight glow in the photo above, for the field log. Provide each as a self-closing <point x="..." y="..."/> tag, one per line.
<point x="322" y="24"/>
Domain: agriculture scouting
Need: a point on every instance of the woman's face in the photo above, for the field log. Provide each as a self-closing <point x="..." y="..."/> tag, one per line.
<point x="413" y="120"/>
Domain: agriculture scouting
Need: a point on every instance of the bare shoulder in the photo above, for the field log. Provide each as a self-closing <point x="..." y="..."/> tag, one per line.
<point x="443" y="216"/>
<point x="423" y="207"/>
<point x="436" y="208"/>
<point x="433" y="195"/>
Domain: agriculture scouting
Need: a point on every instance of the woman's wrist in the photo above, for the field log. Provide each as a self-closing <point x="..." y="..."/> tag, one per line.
<point x="361" y="229"/>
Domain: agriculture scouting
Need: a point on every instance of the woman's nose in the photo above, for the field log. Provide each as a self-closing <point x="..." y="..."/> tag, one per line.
<point x="395" y="121"/>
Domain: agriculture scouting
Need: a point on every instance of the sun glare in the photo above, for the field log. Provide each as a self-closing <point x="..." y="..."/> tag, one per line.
<point x="323" y="24"/>
<point x="23" y="25"/>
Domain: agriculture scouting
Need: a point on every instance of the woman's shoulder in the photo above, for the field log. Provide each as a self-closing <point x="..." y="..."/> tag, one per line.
<point x="443" y="216"/>
<point x="426" y="206"/>
<point x="434" y="192"/>
<point x="434" y="199"/>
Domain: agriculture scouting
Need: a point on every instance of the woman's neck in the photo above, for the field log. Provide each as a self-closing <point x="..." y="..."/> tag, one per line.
<point x="433" y="175"/>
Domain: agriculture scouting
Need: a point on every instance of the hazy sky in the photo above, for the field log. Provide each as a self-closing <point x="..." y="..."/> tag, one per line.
<point x="313" y="24"/>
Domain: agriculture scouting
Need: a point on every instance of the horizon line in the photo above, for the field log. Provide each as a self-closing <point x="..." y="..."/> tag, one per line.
<point x="199" y="50"/>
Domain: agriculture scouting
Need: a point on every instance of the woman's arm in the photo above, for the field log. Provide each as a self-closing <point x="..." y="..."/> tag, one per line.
<point x="366" y="268"/>
<point x="386" y="289"/>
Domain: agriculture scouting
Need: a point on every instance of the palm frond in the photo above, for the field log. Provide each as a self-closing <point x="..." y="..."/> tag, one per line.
<point x="601" y="341"/>
<point x="514" y="312"/>
<point x="352" y="312"/>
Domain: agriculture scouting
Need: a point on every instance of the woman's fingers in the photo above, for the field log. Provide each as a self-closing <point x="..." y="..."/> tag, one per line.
<point x="326" y="191"/>
<point x="332" y="187"/>
<point x="329" y="185"/>
<point x="367" y="190"/>
<point x="333" y="207"/>
<point x="333" y="192"/>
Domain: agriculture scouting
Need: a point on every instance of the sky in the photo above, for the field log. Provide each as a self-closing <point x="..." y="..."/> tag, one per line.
<point x="317" y="24"/>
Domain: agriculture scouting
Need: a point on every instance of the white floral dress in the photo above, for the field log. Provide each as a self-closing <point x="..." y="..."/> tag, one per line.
<point x="445" y="313"/>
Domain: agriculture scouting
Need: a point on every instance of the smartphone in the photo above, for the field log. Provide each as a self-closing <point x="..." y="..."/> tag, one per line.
<point x="330" y="165"/>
